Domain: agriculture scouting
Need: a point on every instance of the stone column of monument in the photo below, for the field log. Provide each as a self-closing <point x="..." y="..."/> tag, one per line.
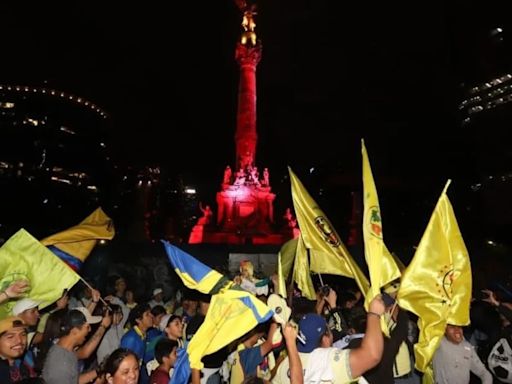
<point x="248" y="57"/>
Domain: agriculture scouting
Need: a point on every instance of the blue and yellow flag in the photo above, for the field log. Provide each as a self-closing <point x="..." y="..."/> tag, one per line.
<point x="327" y="252"/>
<point x="436" y="285"/>
<point x="24" y="257"/>
<point x="193" y="273"/>
<point x="231" y="314"/>
<point x="381" y="265"/>
<point x="74" y="244"/>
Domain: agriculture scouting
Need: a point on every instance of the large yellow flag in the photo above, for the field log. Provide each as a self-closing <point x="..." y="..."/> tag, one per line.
<point x="301" y="271"/>
<point x="436" y="285"/>
<point x="327" y="251"/>
<point x="381" y="265"/>
<point x="231" y="314"/>
<point x="74" y="244"/>
<point x="23" y="257"/>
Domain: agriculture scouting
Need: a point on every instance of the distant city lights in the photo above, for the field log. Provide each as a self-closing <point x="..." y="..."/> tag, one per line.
<point x="53" y="92"/>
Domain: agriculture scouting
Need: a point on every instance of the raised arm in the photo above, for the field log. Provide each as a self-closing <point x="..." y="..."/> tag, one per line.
<point x="369" y="353"/>
<point x="290" y="337"/>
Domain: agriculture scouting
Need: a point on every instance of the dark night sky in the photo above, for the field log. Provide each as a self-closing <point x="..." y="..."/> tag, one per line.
<point x="330" y="74"/>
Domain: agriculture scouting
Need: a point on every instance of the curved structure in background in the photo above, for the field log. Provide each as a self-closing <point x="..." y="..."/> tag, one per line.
<point x="54" y="162"/>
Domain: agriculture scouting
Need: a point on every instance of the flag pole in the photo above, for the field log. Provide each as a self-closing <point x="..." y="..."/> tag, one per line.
<point x="321" y="280"/>
<point x="446" y="186"/>
<point x="91" y="288"/>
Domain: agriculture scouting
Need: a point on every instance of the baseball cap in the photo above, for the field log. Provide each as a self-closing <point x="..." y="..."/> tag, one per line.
<point x="11" y="322"/>
<point x="81" y="315"/>
<point x="163" y="322"/>
<point x="156" y="291"/>
<point x="166" y="320"/>
<point x="23" y="304"/>
<point x="311" y="328"/>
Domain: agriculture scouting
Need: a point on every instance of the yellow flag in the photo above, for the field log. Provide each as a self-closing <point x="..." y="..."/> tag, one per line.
<point x="74" y="244"/>
<point x="381" y="265"/>
<point x="328" y="253"/>
<point x="287" y="252"/>
<point x="285" y="259"/>
<point x="436" y="285"/>
<point x="23" y="257"/>
<point x="231" y="314"/>
<point x="301" y="271"/>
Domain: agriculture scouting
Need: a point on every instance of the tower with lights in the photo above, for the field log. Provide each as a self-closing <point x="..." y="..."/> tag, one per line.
<point x="245" y="202"/>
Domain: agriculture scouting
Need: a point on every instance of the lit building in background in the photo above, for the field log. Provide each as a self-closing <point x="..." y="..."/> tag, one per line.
<point x="54" y="160"/>
<point x="485" y="115"/>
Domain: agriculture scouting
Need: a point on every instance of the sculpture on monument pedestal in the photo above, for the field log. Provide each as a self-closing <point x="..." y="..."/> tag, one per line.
<point x="207" y="215"/>
<point x="227" y="175"/>
<point x="290" y="220"/>
<point x="266" y="176"/>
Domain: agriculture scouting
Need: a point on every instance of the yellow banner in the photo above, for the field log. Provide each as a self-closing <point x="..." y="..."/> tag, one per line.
<point x="328" y="253"/>
<point x="436" y="285"/>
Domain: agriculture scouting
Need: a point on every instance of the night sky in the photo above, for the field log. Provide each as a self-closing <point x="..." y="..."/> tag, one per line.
<point x="330" y="75"/>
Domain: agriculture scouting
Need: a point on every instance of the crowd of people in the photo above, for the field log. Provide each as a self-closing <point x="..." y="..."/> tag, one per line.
<point x="112" y="337"/>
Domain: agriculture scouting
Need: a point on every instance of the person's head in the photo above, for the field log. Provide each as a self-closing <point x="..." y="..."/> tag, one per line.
<point x="120" y="285"/>
<point x="347" y="299"/>
<point x="13" y="338"/>
<point x="121" y="367"/>
<point x="315" y="332"/>
<point x="52" y="329"/>
<point x="141" y="317"/>
<point x="165" y="352"/>
<point x="158" y="294"/>
<point x="76" y="325"/>
<point x="173" y="327"/>
<point x="251" y="338"/>
<point x="454" y="334"/>
<point x="158" y="312"/>
<point x="117" y="314"/>
<point x="189" y="305"/>
<point x="204" y="303"/>
<point x="357" y="319"/>
<point x="27" y="310"/>
<point x="246" y="268"/>
<point x="129" y="296"/>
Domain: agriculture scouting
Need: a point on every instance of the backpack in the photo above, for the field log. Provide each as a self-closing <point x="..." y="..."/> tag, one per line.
<point x="499" y="360"/>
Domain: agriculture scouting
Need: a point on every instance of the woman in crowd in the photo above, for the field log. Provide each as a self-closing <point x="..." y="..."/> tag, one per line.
<point x="121" y="367"/>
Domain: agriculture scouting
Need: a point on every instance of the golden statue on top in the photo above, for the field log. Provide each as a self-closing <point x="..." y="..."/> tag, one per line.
<point x="248" y="23"/>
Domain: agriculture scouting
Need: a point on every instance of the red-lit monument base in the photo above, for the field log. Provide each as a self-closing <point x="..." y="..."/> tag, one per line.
<point x="245" y="215"/>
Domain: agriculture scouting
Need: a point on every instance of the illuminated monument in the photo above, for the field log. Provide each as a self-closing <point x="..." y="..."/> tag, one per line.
<point x="245" y="213"/>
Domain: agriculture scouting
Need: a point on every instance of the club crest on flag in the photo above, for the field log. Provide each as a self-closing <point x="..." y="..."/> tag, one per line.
<point x="8" y="279"/>
<point x="446" y="276"/>
<point x="325" y="228"/>
<point x="374" y="222"/>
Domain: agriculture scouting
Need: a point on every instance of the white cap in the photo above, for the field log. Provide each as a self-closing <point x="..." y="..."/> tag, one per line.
<point x="23" y="304"/>
<point x="164" y="321"/>
<point x="156" y="291"/>
<point x="88" y="317"/>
